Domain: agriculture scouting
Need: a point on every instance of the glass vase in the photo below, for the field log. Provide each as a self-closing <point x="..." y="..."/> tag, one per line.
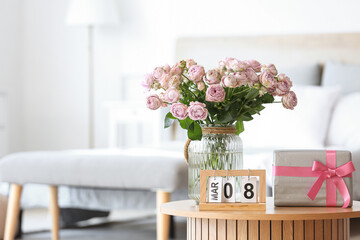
<point x="219" y="149"/>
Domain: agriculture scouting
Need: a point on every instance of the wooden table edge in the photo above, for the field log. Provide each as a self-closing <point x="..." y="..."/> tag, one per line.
<point x="258" y="215"/>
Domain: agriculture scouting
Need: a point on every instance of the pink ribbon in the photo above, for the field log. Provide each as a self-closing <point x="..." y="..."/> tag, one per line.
<point x="332" y="174"/>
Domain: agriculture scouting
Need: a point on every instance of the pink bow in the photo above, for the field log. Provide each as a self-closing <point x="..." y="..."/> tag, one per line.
<point x="334" y="179"/>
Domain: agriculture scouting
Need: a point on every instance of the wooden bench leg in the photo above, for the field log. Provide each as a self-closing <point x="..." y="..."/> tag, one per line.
<point x="12" y="213"/>
<point x="162" y="220"/>
<point x="54" y="212"/>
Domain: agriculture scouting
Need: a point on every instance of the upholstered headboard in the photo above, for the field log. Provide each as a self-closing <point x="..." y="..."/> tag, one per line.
<point x="282" y="49"/>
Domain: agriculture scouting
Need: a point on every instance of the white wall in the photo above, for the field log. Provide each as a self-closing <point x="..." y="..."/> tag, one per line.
<point x="54" y="56"/>
<point x="54" y="60"/>
<point x="229" y="17"/>
<point x="10" y="70"/>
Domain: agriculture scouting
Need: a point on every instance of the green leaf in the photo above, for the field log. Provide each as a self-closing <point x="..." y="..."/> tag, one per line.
<point x="253" y="93"/>
<point x="169" y="120"/>
<point x="226" y="117"/>
<point x="186" y="123"/>
<point x="245" y="117"/>
<point x="194" y="131"/>
<point x="267" y="98"/>
<point x="239" y="127"/>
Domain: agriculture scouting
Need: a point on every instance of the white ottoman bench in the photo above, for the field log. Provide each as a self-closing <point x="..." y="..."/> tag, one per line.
<point x="160" y="171"/>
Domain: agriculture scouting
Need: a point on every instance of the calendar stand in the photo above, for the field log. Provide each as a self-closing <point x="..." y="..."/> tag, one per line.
<point x="207" y="206"/>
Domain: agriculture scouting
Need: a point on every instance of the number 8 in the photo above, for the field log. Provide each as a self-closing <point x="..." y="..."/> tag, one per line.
<point x="248" y="189"/>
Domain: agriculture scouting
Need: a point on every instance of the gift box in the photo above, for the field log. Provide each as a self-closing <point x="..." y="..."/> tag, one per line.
<point x="312" y="178"/>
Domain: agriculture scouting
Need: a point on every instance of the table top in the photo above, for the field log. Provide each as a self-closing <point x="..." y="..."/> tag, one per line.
<point x="188" y="208"/>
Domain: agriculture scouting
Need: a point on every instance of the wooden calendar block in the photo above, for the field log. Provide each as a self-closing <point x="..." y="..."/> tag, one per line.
<point x="215" y="187"/>
<point x="209" y="176"/>
<point x="229" y="189"/>
<point x="249" y="189"/>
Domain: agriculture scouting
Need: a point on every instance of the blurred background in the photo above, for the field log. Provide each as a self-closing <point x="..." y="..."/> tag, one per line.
<point x="70" y="72"/>
<point x="44" y="60"/>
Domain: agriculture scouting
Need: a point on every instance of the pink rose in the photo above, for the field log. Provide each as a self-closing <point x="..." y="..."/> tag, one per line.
<point x="190" y="62"/>
<point x="212" y="77"/>
<point x="226" y="62"/>
<point x="201" y="86"/>
<point x="252" y="77"/>
<point x="158" y="72"/>
<point x="289" y="100"/>
<point x="215" y="93"/>
<point x="164" y="81"/>
<point x="162" y="96"/>
<point x="241" y="78"/>
<point x="262" y="91"/>
<point x="255" y="65"/>
<point x="197" y="111"/>
<point x="222" y="64"/>
<point x="166" y="68"/>
<point x="172" y="95"/>
<point x="271" y="67"/>
<point x="175" y="81"/>
<point x="148" y="81"/>
<point x="179" y="111"/>
<point x="283" y="86"/>
<point x="175" y="70"/>
<point x="153" y="102"/>
<point x="221" y="71"/>
<point x="236" y="65"/>
<point x="268" y="80"/>
<point x="196" y="73"/>
<point x="229" y="81"/>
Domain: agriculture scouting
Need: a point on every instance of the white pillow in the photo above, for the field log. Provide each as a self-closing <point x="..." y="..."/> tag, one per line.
<point x="344" y="128"/>
<point x="345" y="76"/>
<point x="304" y="127"/>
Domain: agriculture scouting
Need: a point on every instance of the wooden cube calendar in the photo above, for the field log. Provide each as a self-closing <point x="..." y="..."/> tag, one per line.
<point x="249" y="201"/>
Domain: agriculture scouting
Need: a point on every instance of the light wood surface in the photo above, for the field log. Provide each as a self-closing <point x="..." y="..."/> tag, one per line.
<point x="232" y="207"/>
<point x="288" y="230"/>
<point x="242" y="229"/>
<point x="253" y="229"/>
<point x="204" y="228"/>
<point x="221" y="229"/>
<point x="3" y="208"/>
<point x="12" y="211"/>
<point x="319" y="229"/>
<point x="162" y="220"/>
<point x="334" y="230"/>
<point x="299" y="229"/>
<point x="231" y="229"/>
<point x="54" y="212"/>
<point x="276" y="230"/>
<point x="327" y="229"/>
<point x="265" y="230"/>
<point x="187" y="208"/>
<point x="212" y="229"/>
<point x="205" y="206"/>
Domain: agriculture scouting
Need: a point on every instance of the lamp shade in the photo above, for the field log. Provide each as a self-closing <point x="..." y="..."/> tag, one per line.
<point x="92" y="13"/>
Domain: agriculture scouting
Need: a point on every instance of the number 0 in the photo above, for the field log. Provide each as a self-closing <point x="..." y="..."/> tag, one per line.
<point x="226" y="187"/>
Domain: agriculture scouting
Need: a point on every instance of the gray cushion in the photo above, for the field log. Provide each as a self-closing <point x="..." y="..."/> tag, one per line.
<point x="137" y="169"/>
<point x="302" y="74"/>
<point x="346" y="76"/>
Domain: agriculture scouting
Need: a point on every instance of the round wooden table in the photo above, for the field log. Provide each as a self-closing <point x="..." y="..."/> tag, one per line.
<point x="275" y="223"/>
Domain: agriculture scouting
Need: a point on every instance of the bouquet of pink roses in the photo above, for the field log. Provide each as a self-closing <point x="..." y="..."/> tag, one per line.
<point x="229" y="94"/>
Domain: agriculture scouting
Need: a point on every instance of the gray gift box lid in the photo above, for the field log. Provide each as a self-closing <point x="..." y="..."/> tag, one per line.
<point x="292" y="191"/>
